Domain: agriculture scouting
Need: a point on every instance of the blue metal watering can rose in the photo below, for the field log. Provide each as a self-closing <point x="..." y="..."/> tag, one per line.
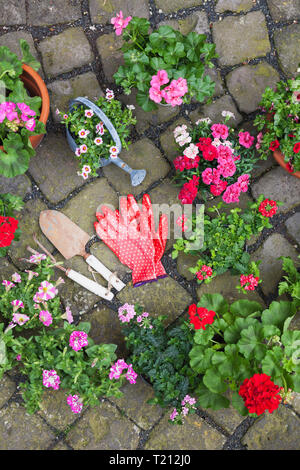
<point x="136" y="176"/>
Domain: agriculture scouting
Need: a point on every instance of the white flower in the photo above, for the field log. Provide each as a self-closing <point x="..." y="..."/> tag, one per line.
<point x="93" y="28"/>
<point x="83" y="133"/>
<point x="207" y="120"/>
<point x="191" y="151"/>
<point x="179" y="130"/>
<point x="86" y="169"/>
<point x="98" y="141"/>
<point x="77" y="152"/>
<point x="131" y="107"/>
<point x="183" y="139"/>
<point x="228" y="114"/>
<point x="114" y="150"/>
<point x="89" y="113"/>
<point x="83" y="148"/>
<point x="109" y="94"/>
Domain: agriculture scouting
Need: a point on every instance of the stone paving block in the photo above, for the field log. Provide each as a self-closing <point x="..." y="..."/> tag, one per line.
<point x="134" y="404"/>
<point x="293" y="226"/>
<point x="167" y="140"/>
<point x="194" y="434"/>
<point x="107" y="256"/>
<point x="164" y="297"/>
<point x="151" y="118"/>
<point x="12" y="40"/>
<point x="21" y="431"/>
<point x="165" y="196"/>
<point x="287" y="44"/>
<point x="284" y="10"/>
<point x="109" y="46"/>
<point x="214" y="111"/>
<point x="140" y="155"/>
<point x="13" y="12"/>
<point x="55" y="410"/>
<point x="29" y="224"/>
<point x="6" y="269"/>
<point x="237" y="6"/>
<point x="276" y="431"/>
<point x="54" y="168"/>
<point x="103" y="10"/>
<point x="271" y="267"/>
<point x="103" y="428"/>
<point x="65" y="51"/>
<point x="247" y="84"/>
<point x="19" y="185"/>
<point x="225" y="284"/>
<point x="197" y="22"/>
<point x="167" y="6"/>
<point x="45" y="12"/>
<point x="62" y="91"/>
<point x="296" y="402"/>
<point x="82" y="207"/>
<point x="228" y="418"/>
<point x="184" y="263"/>
<point x="227" y="36"/>
<point x="279" y="185"/>
<point x="7" y="388"/>
<point x="106" y="328"/>
<point x="61" y="446"/>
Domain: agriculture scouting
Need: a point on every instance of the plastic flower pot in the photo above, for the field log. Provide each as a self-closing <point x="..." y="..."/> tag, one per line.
<point x="136" y="176"/>
<point x="279" y="157"/>
<point x="36" y="87"/>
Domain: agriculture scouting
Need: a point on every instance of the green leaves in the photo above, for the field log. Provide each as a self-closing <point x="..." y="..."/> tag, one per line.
<point x="14" y="160"/>
<point x="215" y="302"/>
<point x="214" y="381"/>
<point x="277" y="313"/>
<point x="27" y="57"/>
<point x="3" y="357"/>
<point x="209" y="399"/>
<point x="251" y="344"/>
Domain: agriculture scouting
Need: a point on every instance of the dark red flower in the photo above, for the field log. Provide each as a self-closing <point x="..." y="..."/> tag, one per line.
<point x="8" y="226"/>
<point x="200" y="317"/>
<point x="203" y="142"/>
<point x="260" y="394"/>
<point x="291" y="136"/>
<point x="217" y="189"/>
<point x="297" y="147"/>
<point x="268" y="208"/>
<point x="274" y="145"/>
<point x="189" y="190"/>
<point x="182" y="163"/>
<point x="289" y="167"/>
<point x="210" y="152"/>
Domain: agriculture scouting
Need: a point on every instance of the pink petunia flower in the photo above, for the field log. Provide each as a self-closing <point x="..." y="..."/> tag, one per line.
<point x="51" y="379"/>
<point x="131" y="375"/>
<point x="37" y="258"/>
<point x="117" y="369"/>
<point x="45" y="317"/>
<point x="20" y="318"/>
<point x="17" y="304"/>
<point x="47" y="291"/>
<point x="16" y="277"/>
<point x="8" y="285"/>
<point x="75" y="403"/>
<point x="78" y="339"/>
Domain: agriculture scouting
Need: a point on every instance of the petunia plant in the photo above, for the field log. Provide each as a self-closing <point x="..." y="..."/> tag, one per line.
<point x="93" y="139"/>
<point x="214" y="160"/>
<point x="9" y="231"/>
<point x="225" y="237"/>
<point x="19" y="112"/>
<point x="279" y="122"/>
<point x="164" y="65"/>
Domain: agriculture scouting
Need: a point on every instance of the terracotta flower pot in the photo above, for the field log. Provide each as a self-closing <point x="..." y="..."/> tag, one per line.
<point x="279" y="157"/>
<point x="36" y="87"/>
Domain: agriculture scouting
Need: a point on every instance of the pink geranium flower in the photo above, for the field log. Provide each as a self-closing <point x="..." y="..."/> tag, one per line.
<point x="161" y="78"/>
<point x="120" y="23"/>
<point x="155" y="94"/>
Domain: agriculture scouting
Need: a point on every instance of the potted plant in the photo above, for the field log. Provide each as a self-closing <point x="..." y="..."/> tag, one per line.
<point x="166" y="66"/>
<point x="9" y="231"/>
<point x="24" y="110"/>
<point x="279" y="124"/>
<point x="215" y="159"/>
<point x="96" y="133"/>
<point x="53" y="354"/>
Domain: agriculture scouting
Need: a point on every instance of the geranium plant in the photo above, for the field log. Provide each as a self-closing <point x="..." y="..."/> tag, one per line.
<point x="58" y="355"/>
<point x="279" y="122"/>
<point x="165" y="66"/>
<point x="215" y="159"/>
<point x="9" y="231"/>
<point x="19" y="113"/>
<point x="244" y="353"/>
<point x="92" y="137"/>
<point x="225" y="237"/>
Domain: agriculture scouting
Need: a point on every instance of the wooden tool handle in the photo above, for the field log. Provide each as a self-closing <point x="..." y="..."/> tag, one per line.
<point x="105" y="272"/>
<point x="89" y="284"/>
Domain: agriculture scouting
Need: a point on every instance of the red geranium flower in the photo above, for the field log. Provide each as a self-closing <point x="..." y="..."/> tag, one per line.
<point x="189" y="190"/>
<point x="274" y="145"/>
<point x="297" y="147"/>
<point x="249" y="282"/>
<point x="210" y="153"/>
<point x="200" y="316"/>
<point x="204" y="273"/>
<point x="8" y="226"/>
<point x="268" y="208"/>
<point x="260" y="394"/>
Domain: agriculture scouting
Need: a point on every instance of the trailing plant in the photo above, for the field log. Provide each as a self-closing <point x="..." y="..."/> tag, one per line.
<point x="9" y="231"/>
<point x="279" y="122"/>
<point x="224" y="238"/>
<point x="163" y="58"/>
<point x="54" y="356"/>
<point x="19" y="112"/>
<point x="245" y="354"/>
<point x="91" y="136"/>
<point x="291" y="283"/>
<point x="215" y="159"/>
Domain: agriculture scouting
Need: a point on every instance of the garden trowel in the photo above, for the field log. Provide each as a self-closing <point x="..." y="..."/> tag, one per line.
<point x="70" y="240"/>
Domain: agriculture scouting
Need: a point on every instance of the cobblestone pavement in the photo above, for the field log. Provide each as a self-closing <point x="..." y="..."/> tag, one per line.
<point x="257" y="42"/>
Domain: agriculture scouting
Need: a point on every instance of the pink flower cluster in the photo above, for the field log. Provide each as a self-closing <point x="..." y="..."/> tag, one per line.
<point x="51" y="379"/>
<point x="120" y="23"/>
<point x="75" y="403"/>
<point x="187" y="404"/>
<point x="172" y="94"/>
<point x="189" y="190"/>
<point x="117" y="368"/>
<point x="232" y="193"/>
<point x="249" y="282"/>
<point x="183" y="162"/>
<point x="19" y="113"/>
<point x="126" y="313"/>
<point x="78" y="339"/>
<point x="204" y="273"/>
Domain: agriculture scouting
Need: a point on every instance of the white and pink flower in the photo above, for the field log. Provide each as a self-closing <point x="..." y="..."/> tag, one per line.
<point x="20" y="318"/>
<point x="47" y="291"/>
<point x="98" y="141"/>
<point x="89" y="113"/>
<point x="191" y="151"/>
<point x="83" y="133"/>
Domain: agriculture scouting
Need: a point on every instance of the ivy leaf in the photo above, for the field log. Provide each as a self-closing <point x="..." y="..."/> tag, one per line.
<point x="27" y="57"/>
<point x="245" y="307"/>
<point x="251" y="343"/>
<point x="277" y="313"/>
<point x="208" y="399"/>
<point x="215" y="302"/>
<point x="214" y="382"/>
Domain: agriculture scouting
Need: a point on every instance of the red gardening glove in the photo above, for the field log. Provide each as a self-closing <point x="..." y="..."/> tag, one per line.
<point x="147" y="225"/>
<point x="132" y="249"/>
